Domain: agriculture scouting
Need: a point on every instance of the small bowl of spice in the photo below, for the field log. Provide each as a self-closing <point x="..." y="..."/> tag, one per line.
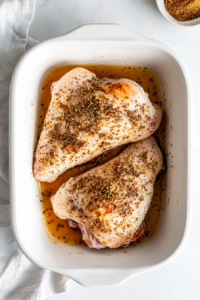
<point x="182" y="13"/>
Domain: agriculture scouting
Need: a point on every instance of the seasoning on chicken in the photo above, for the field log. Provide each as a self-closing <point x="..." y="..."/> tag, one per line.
<point x="88" y="116"/>
<point x="109" y="203"/>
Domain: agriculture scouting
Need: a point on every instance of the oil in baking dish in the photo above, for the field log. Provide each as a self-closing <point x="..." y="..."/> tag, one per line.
<point x="58" y="228"/>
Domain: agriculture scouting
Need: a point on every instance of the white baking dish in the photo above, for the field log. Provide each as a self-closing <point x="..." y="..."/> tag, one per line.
<point x="99" y="44"/>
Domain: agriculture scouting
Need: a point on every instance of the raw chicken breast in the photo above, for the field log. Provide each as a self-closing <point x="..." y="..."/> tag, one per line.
<point x="110" y="202"/>
<point x="88" y="116"/>
<point x="92" y="241"/>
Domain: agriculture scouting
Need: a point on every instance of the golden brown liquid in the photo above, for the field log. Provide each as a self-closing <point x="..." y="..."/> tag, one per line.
<point x="59" y="228"/>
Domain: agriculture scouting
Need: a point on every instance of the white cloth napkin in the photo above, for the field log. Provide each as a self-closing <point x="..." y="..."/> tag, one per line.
<point x="19" y="278"/>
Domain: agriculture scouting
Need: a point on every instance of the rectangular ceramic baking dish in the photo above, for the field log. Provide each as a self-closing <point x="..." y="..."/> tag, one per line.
<point x="99" y="44"/>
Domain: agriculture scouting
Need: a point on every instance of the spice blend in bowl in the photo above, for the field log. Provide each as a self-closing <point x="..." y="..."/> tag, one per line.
<point x="183" y="11"/>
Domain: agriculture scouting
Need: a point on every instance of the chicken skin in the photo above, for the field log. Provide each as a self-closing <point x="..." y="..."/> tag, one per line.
<point x="109" y="203"/>
<point x="88" y="116"/>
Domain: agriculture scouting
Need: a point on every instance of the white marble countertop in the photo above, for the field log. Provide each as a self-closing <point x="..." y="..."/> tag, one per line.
<point x="180" y="278"/>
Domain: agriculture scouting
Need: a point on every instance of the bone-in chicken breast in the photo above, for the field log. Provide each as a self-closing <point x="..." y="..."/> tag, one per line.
<point x="109" y="203"/>
<point x="88" y="116"/>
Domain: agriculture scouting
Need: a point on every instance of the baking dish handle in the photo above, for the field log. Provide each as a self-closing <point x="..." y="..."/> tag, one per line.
<point x="102" y="277"/>
<point x="102" y="32"/>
